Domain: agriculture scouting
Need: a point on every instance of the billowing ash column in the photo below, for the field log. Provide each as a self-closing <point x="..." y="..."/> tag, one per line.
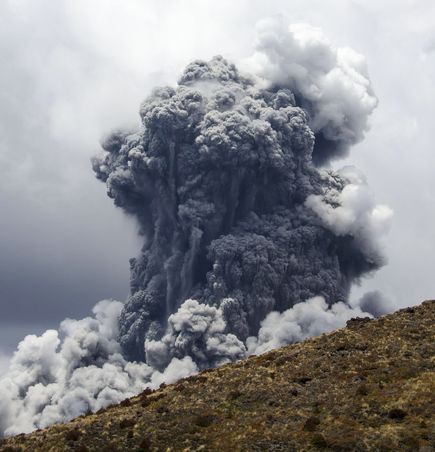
<point x="233" y="210"/>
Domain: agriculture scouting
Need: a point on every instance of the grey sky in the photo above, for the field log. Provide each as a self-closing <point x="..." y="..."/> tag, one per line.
<point x="72" y="70"/>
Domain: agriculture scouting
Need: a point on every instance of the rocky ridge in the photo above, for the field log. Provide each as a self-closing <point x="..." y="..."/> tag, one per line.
<point x="369" y="386"/>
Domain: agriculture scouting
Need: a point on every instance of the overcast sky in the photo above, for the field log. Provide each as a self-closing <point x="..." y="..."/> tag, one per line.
<point x="73" y="70"/>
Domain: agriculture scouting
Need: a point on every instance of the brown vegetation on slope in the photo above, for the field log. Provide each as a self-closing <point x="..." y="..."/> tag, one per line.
<point x="369" y="386"/>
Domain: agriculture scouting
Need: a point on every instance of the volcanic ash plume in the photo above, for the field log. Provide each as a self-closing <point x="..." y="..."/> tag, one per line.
<point x="234" y="212"/>
<point x="249" y="243"/>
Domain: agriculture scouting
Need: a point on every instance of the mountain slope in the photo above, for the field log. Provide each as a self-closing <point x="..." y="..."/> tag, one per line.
<point x="369" y="386"/>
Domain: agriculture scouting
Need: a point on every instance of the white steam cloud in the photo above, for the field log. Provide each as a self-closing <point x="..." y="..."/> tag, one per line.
<point x="332" y="83"/>
<point x="63" y="374"/>
<point x="303" y="320"/>
<point x="352" y="210"/>
<point x="196" y="330"/>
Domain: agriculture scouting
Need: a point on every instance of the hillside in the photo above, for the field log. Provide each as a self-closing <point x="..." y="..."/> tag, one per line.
<point x="369" y="386"/>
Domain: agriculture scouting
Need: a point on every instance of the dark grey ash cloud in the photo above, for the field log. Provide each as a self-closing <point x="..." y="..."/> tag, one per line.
<point x="233" y="209"/>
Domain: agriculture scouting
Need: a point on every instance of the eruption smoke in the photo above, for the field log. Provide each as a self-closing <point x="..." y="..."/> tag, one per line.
<point x="249" y="242"/>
